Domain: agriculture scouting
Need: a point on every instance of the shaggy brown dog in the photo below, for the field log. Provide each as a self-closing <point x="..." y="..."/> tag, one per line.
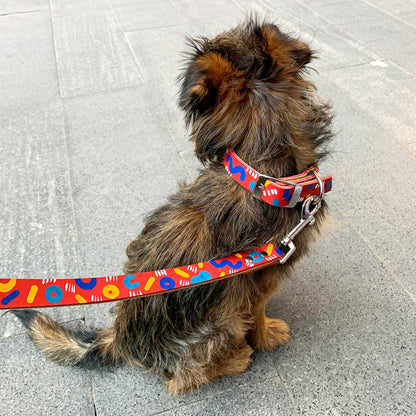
<point x="245" y="90"/>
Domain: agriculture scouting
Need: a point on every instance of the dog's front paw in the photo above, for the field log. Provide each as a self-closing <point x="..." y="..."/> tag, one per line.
<point x="274" y="332"/>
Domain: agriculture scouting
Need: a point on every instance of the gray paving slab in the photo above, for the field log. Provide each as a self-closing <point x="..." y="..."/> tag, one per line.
<point x="62" y="8"/>
<point x="191" y="164"/>
<point x="402" y="9"/>
<point x="36" y="219"/>
<point x="374" y="153"/>
<point x="159" y="55"/>
<point x="348" y="354"/>
<point x="265" y="398"/>
<point x="31" y="384"/>
<point x="373" y="28"/>
<point x="146" y="14"/>
<point x="92" y="54"/>
<point x="210" y="17"/>
<point x="22" y="6"/>
<point x="27" y="70"/>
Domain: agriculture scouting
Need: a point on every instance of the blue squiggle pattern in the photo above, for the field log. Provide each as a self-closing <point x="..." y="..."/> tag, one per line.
<point x="237" y="169"/>
<point x="86" y="285"/>
<point x="223" y="263"/>
<point x="287" y="195"/>
<point x="5" y="301"/>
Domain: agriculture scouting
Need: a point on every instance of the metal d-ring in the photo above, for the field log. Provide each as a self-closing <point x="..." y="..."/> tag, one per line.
<point x="321" y="186"/>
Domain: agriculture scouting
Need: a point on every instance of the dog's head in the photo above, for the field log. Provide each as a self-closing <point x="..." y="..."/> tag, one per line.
<point x="245" y="89"/>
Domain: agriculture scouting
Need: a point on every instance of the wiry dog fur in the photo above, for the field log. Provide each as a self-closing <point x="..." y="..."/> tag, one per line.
<point x="244" y="89"/>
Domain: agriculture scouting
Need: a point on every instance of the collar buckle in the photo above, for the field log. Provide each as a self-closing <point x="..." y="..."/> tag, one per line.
<point x="262" y="179"/>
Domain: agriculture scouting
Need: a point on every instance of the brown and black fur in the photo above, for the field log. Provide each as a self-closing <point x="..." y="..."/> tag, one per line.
<point x="244" y="89"/>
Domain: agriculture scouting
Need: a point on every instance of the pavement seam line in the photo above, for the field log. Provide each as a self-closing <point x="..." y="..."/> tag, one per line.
<point x="287" y="390"/>
<point x="69" y="183"/>
<point x="25" y="12"/>
<point x="175" y="145"/>
<point x="133" y="55"/>
<point x="65" y="145"/>
<point x="92" y="393"/>
<point x="150" y="28"/>
<point x="55" y="49"/>
<point x="388" y="14"/>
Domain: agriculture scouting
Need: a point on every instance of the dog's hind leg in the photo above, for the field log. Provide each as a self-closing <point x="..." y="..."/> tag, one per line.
<point x="222" y="351"/>
<point x="194" y="373"/>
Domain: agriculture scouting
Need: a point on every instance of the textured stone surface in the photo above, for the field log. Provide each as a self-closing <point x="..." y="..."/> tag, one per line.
<point x="32" y="385"/>
<point x="266" y="398"/>
<point x="147" y="394"/>
<point x="60" y="8"/>
<point x="85" y="156"/>
<point x="375" y="152"/>
<point x="27" y="70"/>
<point x="348" y="353"/>
<point x="37" y="223"/>
<point x="376" y="29"/>
<point x="147" y="14"/>
<point x="92" y="55"/>
<point x="22" y="6"/>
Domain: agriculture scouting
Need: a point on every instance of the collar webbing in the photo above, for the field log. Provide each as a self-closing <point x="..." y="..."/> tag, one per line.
<point x="283" y="192"/>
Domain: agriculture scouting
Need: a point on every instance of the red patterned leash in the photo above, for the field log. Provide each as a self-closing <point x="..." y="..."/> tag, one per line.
<point x="30" y="293"/>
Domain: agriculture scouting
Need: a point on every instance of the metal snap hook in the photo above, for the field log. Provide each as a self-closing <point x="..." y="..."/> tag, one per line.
<point x="310" y="207"/>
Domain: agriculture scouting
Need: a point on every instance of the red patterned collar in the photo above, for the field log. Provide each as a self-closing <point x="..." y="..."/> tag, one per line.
<point x="282" y="192"/>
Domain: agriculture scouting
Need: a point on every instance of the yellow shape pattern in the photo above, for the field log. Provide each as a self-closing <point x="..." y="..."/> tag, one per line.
<point x="149" y="283"/>
<point x="7" y="287"/>
<point x="222" y="274"/>
<point x="111" y="291"/>
<point x="80" y="299"/>
<point x="181" y="273"/>
<point x="32" y="294"/>
<point x="270" y="249"/>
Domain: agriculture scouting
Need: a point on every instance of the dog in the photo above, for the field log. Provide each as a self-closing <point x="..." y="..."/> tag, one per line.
<point x="246" y="90"/>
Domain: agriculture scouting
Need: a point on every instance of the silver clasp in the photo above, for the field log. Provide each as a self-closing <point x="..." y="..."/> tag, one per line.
<point x="310" y="207"/>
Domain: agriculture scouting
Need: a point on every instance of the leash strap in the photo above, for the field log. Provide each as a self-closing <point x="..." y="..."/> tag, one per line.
<point x="31" y="293"/>
<point x="283" y="192"/>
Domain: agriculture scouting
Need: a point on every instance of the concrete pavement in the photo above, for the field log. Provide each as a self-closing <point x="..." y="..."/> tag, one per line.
<point x="91" y="140"/>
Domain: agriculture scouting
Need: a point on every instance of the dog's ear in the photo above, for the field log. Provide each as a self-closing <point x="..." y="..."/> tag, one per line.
<point x="301" y="53"/>
<point x="284" y="47"/>
<point x="204" y="83"/>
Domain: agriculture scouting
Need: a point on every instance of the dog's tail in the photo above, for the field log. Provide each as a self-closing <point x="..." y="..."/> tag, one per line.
<point x="70" y="348"/>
